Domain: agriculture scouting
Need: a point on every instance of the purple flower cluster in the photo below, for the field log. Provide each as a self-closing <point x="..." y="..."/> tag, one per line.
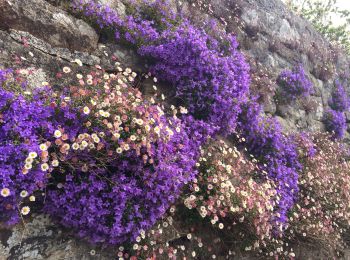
<point x="131" y="28"/>
<point x="295" y="83"/>
<point x="22" y="124"/>
<point x="113" y="168"/>
<point x="278" y="153"/>
<point x="210" y="76"/>
<point x="339" y="100"/>
<point x="208" y="80"/>
<point x="115" y="204"/>
<point x="334" y="117"/>
<point x="335" y="123"/>
<point x="4" y="74"/>
<point x="26" y="122"/>
<point x="123" y="190"/>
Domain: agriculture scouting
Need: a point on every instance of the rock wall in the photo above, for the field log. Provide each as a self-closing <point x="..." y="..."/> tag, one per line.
<point x="41" y="35"/>
<point x="275" y="39"/>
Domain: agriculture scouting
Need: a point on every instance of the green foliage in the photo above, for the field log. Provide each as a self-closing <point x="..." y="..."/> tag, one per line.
<point x="321" y="14"/>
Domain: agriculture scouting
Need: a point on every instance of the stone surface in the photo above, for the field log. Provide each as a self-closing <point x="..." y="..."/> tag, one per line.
<point x="21" y="49"/>
<point x="278" y="39"/>
<point x="115" y="4"/>
<point x="48" y="23"/>
<point x="39" y="238"/>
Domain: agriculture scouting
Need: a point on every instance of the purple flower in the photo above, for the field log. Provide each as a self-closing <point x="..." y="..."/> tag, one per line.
<point x="275" y="151"/>
<point x="24" y="123"/>
<point x="114" y="204"/>
<point x="339" y="100"/>
<point x="335" y="122"/>
<point x="295" y="83"/>
<point x="209" y="76"/>
<point x="4" y="74"/>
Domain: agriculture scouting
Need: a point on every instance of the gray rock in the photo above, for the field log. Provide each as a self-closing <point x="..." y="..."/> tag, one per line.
<point x="251" y="17"/>
<point x="290" y="111"/>
<point x="48" y="23"/>
<point x="270" y="61"/>
<point x="39" y="238"/>
<point x="287" y="33"/>
<point x="270" y="106"/>
<point x="347" y="114"/>
<point x="319" y="111"/>
<point x="36" y="78"/>
<point x="114" y="4"/>
<point x="287" y="125"/>
<point x="314" y="125"/>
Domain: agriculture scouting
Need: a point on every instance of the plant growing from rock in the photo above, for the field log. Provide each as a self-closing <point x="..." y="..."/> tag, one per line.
<point x="294" y="83"/>
<point x="25" y="120"/>
<point x="275" y="151"/>
<point x="116" y="175"/>
<point x="183" y="55"/>
<point x="334" y="117"/>
<point x="322" y="212"/>
<point x="111" y="163"/>
<point x="339" y="100"/>
<point x="335" y="123"/>
<point x="229" y="191"/>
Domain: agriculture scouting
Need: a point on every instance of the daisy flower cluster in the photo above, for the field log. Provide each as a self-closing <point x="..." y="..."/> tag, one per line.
<point x="322" y="212"/>
<point x="229" y="191"/>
